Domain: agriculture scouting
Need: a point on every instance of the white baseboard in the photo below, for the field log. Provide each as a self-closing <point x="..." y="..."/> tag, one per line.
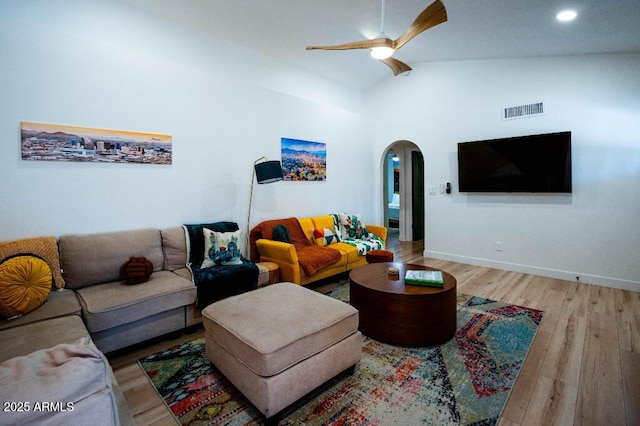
<point x="533" y="270"/>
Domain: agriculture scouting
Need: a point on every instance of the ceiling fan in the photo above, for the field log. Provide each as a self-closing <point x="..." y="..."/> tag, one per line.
<point x="382" y="47"/>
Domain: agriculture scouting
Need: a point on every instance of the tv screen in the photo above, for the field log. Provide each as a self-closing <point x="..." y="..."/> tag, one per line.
<point x="535" y="163"/>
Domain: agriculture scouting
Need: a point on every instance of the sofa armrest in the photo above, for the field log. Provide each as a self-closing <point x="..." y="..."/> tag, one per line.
<point x="282" y="254"/>
<point x="75" y="375"/>
<point x="277" y="250"/>
<point x="380" y="231"/>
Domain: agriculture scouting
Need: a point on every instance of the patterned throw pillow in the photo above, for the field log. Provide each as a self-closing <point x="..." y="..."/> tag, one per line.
<point x="25" y="283"/>
<point x="352" y="227"/>
<point x="221" y="248"/>
<point x="324" y="237"/>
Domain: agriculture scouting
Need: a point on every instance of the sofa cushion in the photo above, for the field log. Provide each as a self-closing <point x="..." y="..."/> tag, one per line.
<point x="257" y="327"/>
<point x="348" y="251"/>
<point x="112" y="304"/>
<point x="184" y="273"/>
<point x="60" y="303"/>
<point x="96" y="258"/>
<point x="76" y="377"/>
<point x="174" y="246"/>
<point x="25" y="283"/>
<point x="42" y="334"/>
<point x="328" y="221"/>
<point x="307" y="227"/>
<point x="44" y="247"/>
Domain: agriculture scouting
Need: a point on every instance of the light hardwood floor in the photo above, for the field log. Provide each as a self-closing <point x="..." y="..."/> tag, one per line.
<point x="583" y="367"/>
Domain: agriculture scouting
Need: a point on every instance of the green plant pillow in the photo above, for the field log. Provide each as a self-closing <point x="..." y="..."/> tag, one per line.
<point x="221" y="248"/>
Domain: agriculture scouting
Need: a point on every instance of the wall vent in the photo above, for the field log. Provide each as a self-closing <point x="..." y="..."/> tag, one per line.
<point x="523" y="111"/>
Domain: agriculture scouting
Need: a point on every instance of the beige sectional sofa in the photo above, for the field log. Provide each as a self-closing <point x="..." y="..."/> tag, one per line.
<point x="119" y="315"/>
<point x="96" y="303"/>
<point x="56" y="322"/>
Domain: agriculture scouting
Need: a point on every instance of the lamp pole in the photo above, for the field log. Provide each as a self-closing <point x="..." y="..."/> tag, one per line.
<point x="253" y="178"/>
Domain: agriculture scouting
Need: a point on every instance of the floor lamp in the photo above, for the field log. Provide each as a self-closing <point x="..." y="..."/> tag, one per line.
<point x="264" y="172"/>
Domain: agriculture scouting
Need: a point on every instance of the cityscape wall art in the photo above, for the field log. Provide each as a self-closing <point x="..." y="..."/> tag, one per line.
<point x="304" y="160"/>
<point x="53" y="142"/>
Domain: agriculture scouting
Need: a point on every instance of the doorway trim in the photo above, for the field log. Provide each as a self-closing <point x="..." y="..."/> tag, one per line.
<point x="403" y="149"/>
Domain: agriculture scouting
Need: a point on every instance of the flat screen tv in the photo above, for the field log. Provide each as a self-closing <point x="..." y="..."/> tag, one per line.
<point x="535" y="163"/>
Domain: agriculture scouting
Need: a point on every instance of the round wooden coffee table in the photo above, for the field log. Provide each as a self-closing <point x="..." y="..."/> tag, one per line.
<point x="402" y="314"/>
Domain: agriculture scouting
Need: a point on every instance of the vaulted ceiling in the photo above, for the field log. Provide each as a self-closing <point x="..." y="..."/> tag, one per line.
<point x="476" y="29"/>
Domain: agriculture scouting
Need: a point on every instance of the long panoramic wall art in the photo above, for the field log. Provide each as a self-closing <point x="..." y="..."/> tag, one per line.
<point x="53" y="142"/>
<point x="304" y="160"/>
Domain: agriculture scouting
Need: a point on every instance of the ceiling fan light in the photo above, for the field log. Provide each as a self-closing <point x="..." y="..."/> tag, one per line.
<point x="566" y="15"/>
<point x="381" y="52"/>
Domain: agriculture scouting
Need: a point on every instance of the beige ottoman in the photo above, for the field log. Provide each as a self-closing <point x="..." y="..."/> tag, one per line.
<point x="280" y="342"/>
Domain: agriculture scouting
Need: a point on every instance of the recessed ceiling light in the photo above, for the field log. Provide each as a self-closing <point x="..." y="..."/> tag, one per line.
<point x="566" y="15"/>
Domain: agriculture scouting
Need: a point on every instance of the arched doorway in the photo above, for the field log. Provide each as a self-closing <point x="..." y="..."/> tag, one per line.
<point x="403" y="190"/>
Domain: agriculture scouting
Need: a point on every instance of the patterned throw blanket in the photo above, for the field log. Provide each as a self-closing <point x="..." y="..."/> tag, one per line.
<point x="311" y="257"/>
<point x="365" y="245"/>
<point x="352" y="231"/>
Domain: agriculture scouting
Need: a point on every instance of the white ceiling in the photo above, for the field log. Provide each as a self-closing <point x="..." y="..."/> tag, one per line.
<point x="476" y="29"/>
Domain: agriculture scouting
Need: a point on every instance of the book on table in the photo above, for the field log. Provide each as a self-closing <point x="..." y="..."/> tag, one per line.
<point x="426" y="278"/>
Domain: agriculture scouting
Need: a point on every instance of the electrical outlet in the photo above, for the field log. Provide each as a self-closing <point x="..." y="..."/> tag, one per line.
<point x="498" y="246"/>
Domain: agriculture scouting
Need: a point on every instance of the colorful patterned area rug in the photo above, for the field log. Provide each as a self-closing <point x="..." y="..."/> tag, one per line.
<point x="465" y="381"/>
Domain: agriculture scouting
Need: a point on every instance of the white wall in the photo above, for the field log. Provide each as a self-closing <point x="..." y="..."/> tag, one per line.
<point x="108" y="65"/>
<point x="593" y="233"/>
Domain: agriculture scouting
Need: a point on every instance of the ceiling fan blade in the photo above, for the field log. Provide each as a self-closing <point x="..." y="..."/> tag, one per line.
<point x="396" y="66"/>
<point x="433" y="15"/>
<point x="364" y="44"/>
